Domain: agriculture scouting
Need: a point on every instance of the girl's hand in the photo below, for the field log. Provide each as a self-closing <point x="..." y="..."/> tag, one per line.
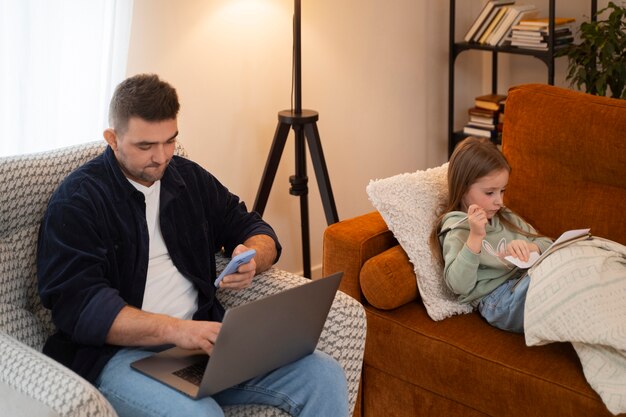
<point x="521" y="249"/>
<point x="477" y="219"/>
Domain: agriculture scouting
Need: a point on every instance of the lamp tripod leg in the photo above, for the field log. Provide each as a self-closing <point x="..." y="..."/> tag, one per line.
<point x="299" y="187"/>
<point x="305" y="130"/>
<point x="271" y="166"/>
<point x="321" y="172"/>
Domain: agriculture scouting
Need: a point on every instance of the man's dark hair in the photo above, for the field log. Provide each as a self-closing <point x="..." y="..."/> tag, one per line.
<point x="144" y="96"/>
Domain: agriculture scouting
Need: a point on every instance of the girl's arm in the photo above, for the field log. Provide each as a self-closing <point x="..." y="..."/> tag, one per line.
<point x="460" y="263"/>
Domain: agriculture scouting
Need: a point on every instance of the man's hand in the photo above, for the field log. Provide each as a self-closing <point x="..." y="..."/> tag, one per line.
<point x="244" y="275"/>
<point x="265" y="257"/>
<point x="192" y="334"/>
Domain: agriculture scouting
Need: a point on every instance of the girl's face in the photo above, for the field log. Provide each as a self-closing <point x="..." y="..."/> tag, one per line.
<point x="487" y="192"/>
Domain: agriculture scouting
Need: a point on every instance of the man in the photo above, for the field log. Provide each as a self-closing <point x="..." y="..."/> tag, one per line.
<point x="126" y="264"/>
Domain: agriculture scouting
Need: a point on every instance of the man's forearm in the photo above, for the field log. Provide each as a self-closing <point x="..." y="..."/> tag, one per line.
<point x="265" y="251"/>
<point x="134" y="327"/>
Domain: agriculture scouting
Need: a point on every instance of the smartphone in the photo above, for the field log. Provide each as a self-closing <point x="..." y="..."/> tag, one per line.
<point x="234" y="264"/>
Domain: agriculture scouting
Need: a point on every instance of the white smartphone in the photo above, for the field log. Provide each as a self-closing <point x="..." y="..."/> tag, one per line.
<point x="234" y="264"/>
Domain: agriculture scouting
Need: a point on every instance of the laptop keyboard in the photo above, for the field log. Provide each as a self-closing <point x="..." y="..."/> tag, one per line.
<point x="193" y="373"/>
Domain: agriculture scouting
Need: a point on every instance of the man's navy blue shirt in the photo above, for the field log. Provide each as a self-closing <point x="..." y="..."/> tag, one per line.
<point x="92" y="256"/>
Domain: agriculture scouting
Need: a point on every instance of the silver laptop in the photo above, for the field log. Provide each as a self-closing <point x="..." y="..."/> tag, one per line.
<point x="255" y="338"/>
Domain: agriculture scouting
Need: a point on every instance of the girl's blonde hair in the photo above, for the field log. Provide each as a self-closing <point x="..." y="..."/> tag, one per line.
<point x="472" y="159"/>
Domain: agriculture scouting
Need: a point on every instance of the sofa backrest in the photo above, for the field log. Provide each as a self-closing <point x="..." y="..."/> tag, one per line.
<point x="26" y="184"/>
<point x="567" y="151"/>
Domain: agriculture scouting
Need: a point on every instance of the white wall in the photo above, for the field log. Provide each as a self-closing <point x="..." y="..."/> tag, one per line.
<point x="375" y="70"/>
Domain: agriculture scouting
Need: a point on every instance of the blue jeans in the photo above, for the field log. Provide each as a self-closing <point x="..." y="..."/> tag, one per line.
<point x="312" y="386"/>
<point x="504" y="307"/>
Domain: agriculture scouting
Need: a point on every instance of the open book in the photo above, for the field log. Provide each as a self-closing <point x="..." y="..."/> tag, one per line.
<point x="568" y="237"/>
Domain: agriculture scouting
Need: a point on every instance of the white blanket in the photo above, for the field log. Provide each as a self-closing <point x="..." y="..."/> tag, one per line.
<point x="578" y="295"/>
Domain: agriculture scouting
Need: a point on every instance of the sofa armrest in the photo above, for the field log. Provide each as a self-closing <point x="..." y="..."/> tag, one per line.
<point x="349" y="243"/>
<point x="343" y="336"/>
<point x="44" y="384"/>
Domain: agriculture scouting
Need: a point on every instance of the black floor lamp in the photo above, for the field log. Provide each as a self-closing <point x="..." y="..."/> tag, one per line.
<point x="304" y="124"/>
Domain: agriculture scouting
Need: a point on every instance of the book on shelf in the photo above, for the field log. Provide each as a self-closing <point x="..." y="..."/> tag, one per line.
<point x="483" y="121"/>
<point x="482" y="125"/>
<point x="535" y="32"/>
<point x="540" y="43"/>
<point x="492" y="25"/>
<point x="523" y="37"/>
<point x="544" y="22"/>
<point x="494" y="135"/>
<point x="486" y="26"/>
<point x="484" y="17"/>
<point x="540" y="47"/>
<point x="479" y="111"/>
<point x="535" y="37"/>
<point x="513" y="14"/>
<point x="484" y="116"/>
<point x="490" y="101"/>
<point x="563" y="36"/>
<point x="537" y="29"/>
<point x="536" y="42"/>
<point x="478" y="131"/>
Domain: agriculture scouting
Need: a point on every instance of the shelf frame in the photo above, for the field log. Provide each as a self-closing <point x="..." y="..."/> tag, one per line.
<point x="456" y="48"/>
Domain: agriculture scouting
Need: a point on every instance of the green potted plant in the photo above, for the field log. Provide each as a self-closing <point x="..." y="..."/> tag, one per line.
<point x="599" y="61"/>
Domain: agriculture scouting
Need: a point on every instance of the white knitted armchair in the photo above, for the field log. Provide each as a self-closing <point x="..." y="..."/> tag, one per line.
<point x="31" y="384"/>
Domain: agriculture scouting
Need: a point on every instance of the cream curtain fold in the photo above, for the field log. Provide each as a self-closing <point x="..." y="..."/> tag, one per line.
<point x="59" y="63"/>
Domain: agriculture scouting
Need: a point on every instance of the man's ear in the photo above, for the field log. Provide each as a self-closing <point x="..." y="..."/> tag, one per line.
<point x="111" y="137"/>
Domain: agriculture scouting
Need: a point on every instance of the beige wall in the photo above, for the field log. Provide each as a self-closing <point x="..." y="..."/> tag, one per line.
<point x="375" y="70"/>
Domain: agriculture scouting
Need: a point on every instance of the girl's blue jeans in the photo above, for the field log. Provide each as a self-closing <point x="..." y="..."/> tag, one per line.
<point x="312" y="386"/>
<point x="504" y="306"/>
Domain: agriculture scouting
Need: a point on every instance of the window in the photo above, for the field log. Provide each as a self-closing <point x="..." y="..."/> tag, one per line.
<point x="60" y="61"/>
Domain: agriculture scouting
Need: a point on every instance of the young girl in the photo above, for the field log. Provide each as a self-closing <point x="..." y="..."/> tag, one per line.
<point x="475" y="233"/>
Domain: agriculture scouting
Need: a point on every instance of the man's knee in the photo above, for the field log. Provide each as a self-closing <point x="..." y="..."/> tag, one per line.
<point x="330" y="379"/>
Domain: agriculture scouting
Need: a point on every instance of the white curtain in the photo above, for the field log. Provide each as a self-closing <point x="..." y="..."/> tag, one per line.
<point x="59" y="63"/>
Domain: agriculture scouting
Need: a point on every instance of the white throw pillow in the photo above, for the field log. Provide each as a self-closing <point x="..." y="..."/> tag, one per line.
<point x="408" y="203"/>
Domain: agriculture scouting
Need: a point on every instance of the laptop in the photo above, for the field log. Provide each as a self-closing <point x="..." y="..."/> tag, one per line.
<point x="255" y="339"/>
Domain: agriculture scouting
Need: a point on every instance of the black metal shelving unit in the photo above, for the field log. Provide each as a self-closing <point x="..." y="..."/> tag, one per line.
<point x="456" y="48"/>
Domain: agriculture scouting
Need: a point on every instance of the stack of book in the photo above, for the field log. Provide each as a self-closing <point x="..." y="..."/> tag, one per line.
<point x="533" y="33"/>
<point x="486" y="117"/>
<point x="482" y="26"/>
<point x="494" y="22"/>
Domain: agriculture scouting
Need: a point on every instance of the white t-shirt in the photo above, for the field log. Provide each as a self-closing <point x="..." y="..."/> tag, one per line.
<point x="167" y="290"/>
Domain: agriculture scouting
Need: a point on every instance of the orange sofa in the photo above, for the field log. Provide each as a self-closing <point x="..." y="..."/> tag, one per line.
<point x="568" y="156"/>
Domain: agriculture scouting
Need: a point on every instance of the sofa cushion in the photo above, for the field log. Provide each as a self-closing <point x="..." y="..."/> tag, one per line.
<point x="466" y="361"/>
<point x="17" y="266"/>
<point x="21" y="314"/>
<point x="408" y="203"/>
<point x="388" y="280"/>
<point x="23" y="325"/>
